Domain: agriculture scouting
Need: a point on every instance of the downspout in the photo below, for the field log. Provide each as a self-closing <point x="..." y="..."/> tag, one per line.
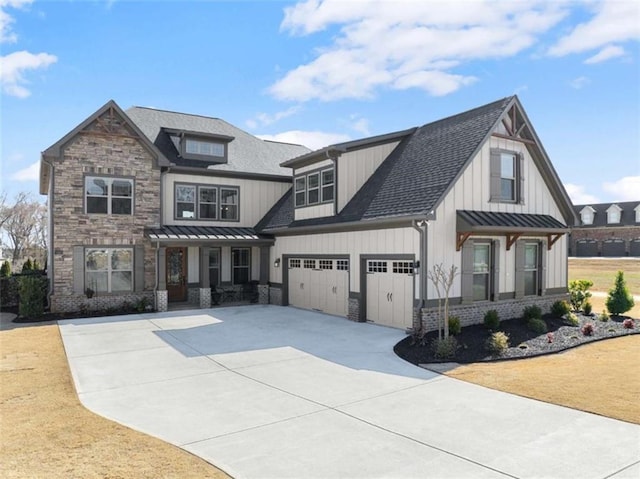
<point x="155" y="286"/>
<point x="49" y="233"/>
<point x="422" y="270"/>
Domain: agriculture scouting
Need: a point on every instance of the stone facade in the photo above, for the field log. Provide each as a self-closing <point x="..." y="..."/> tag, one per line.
<point x="474" y="313"/>
<point x="162" y="300"/>
<point x="106" y="147"/>
<point x="263" y="294"/>
<point x="354" y="309"/>
<point x="205" y="298"/>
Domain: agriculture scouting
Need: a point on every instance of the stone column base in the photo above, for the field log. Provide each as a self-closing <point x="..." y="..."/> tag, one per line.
<point x="162" y="300"/>
<point x="263" y="294"/>
<point x="205" y="298"/>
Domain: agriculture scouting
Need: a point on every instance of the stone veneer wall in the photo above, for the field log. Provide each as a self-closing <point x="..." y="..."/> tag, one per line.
<point x="474" y="313"/>
<point x="354" y="309"/>
<point x="96" y="151"/>
<point x="626" y="233"/>
<point x="263" y="294"/>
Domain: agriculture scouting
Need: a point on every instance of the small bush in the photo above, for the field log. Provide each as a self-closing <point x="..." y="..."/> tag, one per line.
<point x="604" y="317"/>
<point x="497" y="343"/>
<point x="587" y="309"/>
<point x="27" y="266"/>
<point x="537" y="325"/>
<point x="572" y="319"/>
<point x="619" y="300"/>
<point x="444" y="348"/>
<point x="579" y="293"/>
<point x="141" y="304"/>
<point x="532" y="312"/>
<point x="628" y="324"/>
<point x="587" y="329"/>
<point x="560" y="308"/>
<point x="33" y="292"/>
<point x="5" y="269"/>
<point x="492" y="320"/>
<point x="454" y="325"/>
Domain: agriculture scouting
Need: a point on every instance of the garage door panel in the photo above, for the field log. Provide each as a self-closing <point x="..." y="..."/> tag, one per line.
<point x="319" y="285"/>
<point x="390" y="293"/>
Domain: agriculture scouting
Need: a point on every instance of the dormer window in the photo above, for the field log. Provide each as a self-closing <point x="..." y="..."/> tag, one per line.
<point x="205" y="148"/>
<point x="314" y="188"/>
<point x="637" y="209"/>
<point x="613" y="214"/>
<point x="586" y="215"/>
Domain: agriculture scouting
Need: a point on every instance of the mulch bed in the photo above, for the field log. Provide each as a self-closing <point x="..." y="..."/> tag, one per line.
<point x="522" y="341"/>
<point x="47" y="316"/>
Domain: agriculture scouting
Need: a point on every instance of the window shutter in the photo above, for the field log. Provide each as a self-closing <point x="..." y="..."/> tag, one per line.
<point x="495" y="268"/>
<point x="138" y="266"/>
<point x="520" y="247"/>
<point x="495" y="190"/>
<point x="520" y="170"/>
<point x="542" y="268"/>
<point x="466" y="278"/>
<point x="78" y="269"/>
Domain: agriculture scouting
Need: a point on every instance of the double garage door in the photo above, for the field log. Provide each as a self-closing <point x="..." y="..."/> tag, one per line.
<point x="319" y="284"/>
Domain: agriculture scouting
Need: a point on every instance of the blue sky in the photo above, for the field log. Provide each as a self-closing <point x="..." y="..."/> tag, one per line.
<point x="319" y="72"/>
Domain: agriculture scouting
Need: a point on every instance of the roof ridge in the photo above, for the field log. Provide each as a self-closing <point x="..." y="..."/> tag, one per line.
<point x="177" y="113"/>
<point x="503" y="101"/>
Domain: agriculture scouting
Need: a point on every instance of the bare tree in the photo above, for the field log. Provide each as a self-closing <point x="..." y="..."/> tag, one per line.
<point x="5" y="209"/>
<point x="443" y="279"/>
<point x="23" y="221"/>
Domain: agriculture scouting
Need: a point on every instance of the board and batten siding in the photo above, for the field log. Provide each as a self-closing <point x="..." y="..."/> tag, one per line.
<point x="312" y="167"/>
<point x="318" y="211"/>
<point x="352" y="243"/>
<point x="472" y="192"/>
<point x="256" y="198"/>
<point x="356" y="167"/>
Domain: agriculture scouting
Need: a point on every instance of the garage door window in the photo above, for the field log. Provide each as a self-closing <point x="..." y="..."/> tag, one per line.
<point x="310" y="263"/>
<point x="294" y="263"/>
<point x="326" y="264"/>
<point x="377" y="267"/>
<point x="403" y="267"/>
<point x="342" y="265"/>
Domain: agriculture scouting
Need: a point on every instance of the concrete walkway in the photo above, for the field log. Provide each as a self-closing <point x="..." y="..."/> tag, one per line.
<point x="272" y="392"/>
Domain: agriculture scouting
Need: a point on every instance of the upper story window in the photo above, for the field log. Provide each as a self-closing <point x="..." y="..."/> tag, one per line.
<point x="205" y="148"/>
<point x="108" y="195"/>
<point x="637" y="214"/>
<point x="207" y="202"/>
<point x="613" y="214"/>
<point x="314" y="188"/>
<point x="506" y="177"/>
<point x="587" y="217"/>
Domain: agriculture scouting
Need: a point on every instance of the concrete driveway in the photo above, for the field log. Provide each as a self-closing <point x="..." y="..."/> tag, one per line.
<point x="272" y="392"/>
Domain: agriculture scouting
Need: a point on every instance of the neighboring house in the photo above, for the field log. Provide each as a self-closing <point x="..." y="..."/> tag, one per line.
<point x="165" y="205"/>
<point x="606" y="229"/>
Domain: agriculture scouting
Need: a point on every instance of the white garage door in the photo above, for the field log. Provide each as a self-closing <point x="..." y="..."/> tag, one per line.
<point x="390" y="293"/>
<point x="319" y="284"/>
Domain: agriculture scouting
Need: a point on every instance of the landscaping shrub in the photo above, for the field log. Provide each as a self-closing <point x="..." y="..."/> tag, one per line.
<point x="5" y="269"/>
<point x="619" y="300"/>
<point x="579" y="293"/>
<point x="141" y="304"/>
<point x="497" y="343"/>
<point x="454" y="325"/>
<point x="492" y="320"/>
<point x="532" y="312"/>
<point x="628" y="324"/>
<point x="537" y="325"/>
<point x="572" y="319"/>
<point x="587" y="329"/>
<point x="27" y="266"/>
<point x="560" y="308"/>
<point x="33" y="292"/>
<point x="587" y="308"/>
<point x="444" y="348"/>
<point x="604" y="317"/>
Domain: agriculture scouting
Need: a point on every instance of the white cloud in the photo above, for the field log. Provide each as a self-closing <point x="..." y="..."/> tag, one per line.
<point x="360" y="125"/>
<point x="6" y="34"/>
<point x="30" y="173"/>
<point x="625" y="189"/>
<point x="406" y="44"/>
<point x="579" y="82"/>
<point x="612" y="22"/>
<point x="310" y="139"/>
<point x="579" y="196"/>
<point x="13" y="67"/>
<point x="264" y="119"/>
<point x="606" y="53"/>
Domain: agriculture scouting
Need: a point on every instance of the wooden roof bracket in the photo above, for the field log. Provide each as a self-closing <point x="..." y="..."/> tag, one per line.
<point x="512" y="238"/>
<point x="462" y="237"/>
<point x="552" y="238"/>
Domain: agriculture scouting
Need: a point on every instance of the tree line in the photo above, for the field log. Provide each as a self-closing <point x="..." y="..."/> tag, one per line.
<point x="23" y="229"/>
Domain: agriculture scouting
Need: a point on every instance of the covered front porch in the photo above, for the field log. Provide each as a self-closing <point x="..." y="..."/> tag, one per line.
<point x="208" y="266"/>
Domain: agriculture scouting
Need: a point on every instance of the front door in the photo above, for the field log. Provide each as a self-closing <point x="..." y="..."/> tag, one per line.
<point x="177" y="274"/>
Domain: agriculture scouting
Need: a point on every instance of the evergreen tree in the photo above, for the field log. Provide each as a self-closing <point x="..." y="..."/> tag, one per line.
<point x="5" y="269"/>
<point x="27" y="266"/>
<point x="619" y="300"/>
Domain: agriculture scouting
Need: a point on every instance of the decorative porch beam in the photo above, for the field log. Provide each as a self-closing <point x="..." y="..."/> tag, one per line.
<point x="552" y="238"/>
<point x="462" y="237"/>
<point x="514" y="138"/>
<point x="512" y="238"/>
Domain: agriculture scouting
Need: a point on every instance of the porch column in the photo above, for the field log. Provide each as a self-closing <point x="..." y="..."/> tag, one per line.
<point x="265" y="268"/>
<point x="205" y="289"/>
<point x="162" y="297"/>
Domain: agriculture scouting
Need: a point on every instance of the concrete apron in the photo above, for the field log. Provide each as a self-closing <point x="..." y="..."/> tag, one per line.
<point x="266" y="391"/>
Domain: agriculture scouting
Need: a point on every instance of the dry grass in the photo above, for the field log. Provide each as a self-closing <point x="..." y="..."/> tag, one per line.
<point x="602" y="271"/>
<point x="46" y="432"/>
<point x="601" y="377"/>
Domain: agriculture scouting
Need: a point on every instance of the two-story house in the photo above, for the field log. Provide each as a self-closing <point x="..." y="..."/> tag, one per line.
<point x="352" y="229"/>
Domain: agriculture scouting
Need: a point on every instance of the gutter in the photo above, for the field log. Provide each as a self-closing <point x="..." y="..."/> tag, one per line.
<point x="50" y="232"/>
<point x="346" y="225"/>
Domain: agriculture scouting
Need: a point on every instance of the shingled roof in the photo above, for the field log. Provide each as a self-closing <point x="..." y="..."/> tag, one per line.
<point x="415" y="176"/>
<point x="247" y="153"/>
<point x="627" y="215"/>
